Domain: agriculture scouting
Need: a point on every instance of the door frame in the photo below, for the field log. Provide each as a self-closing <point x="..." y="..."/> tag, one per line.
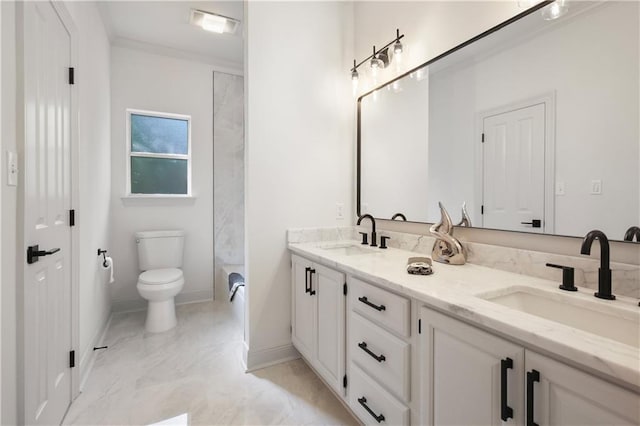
<point x="67" y="21"/>
<point x="549" y="101"/>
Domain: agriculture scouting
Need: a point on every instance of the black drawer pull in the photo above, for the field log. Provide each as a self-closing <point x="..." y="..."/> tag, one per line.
<point x="506" y="411"/>
<point x="312" y="292"/>
<point x="306" y="279"/>
<point x="379" y="358"/>
<point x="363" y="402"/>
<point x="364" y="300"/>
<point x="532" y="377"/>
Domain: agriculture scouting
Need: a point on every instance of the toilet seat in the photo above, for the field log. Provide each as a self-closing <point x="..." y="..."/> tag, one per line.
<point x="160" y="276"/>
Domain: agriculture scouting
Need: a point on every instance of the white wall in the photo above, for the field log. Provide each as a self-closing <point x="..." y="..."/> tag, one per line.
<point x="152" y="82"/>
<point x="93" y="87"/>
<point x="299" y="150"/>
<point x="432" y="28"/>
<point x="8" y="377"/>
<point x="94" y="97"/>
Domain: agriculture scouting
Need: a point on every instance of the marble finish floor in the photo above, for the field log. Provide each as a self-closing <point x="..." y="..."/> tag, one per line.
<point x="193" y="374"/>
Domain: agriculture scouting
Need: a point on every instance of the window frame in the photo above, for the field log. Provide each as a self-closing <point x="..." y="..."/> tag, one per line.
<point x="130" y="153"/>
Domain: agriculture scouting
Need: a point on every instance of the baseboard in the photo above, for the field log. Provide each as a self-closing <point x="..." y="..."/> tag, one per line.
<point x="255" y="360"/>
<point x="122" y="306"/>
<point x="89" y="356"/>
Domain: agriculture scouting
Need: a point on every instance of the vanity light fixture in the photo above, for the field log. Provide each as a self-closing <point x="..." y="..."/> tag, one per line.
<point x="379" y="59"/>
<point x="555" y="10"/>
<point x="213" y="22"/>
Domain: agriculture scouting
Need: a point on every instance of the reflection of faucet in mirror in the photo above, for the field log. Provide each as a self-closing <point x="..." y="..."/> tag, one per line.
<point x="374" y="238"/>
<point x="446" y="249"/>
<point x="466" y="220"/>
<point x="632" y="232"/>
<point x="399" y="216"/>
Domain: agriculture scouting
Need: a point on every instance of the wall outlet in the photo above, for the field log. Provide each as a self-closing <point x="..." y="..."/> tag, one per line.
<point x="560" y="188"/>
<point x="596" y="187"/>
<point x="339" y="211"/>
<point x="12" y="168"/>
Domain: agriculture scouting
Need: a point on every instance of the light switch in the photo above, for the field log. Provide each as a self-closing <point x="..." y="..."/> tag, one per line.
<point x="12" y="169"/>
<point x="559" y="188"/>
<point x="596" y="187"/>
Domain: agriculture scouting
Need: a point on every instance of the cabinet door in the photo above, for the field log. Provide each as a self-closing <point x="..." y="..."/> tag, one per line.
<point x="329" y="287"/>
<point x="462" y="369"/>
<point x="563" y="395"/>
<point x="303" y="315"/>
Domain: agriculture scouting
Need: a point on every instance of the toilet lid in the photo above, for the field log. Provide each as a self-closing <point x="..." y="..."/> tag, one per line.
<point x="160" y="276"/>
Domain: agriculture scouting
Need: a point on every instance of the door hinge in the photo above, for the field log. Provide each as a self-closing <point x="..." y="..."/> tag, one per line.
<point x="482" y="209"/>
<point x="344" y="289"/>
<point x="344" y="381"/>
<point x="72" y="217"/>
<point x="483" y="138"/>
<point x="72" y="72"/>
<point x="419" y="326"/>
<point x="72" y="359"/>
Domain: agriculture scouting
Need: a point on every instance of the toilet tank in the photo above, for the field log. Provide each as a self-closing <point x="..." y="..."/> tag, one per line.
<point x="160" y="249"/>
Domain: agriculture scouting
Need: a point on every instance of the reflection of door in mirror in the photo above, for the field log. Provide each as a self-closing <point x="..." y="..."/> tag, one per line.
<point x="513" y="164"/>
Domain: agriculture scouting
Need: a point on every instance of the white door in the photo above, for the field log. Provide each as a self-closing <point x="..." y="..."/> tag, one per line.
<point x="303" y="324"/>
<point x="47" y="202"/>
<point x="470" y="377"/>
<point x="561" y="395"/>
<point x="329" y="286"/>
<point x="513" y="168"/>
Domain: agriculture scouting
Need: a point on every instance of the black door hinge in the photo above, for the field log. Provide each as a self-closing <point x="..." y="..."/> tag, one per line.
<point x="344" y="381"/>
<point x="482" y="209"/>
<point x="483" y="138"/>
<point x="72" y="359"/>
<point x="344" y="289"/>
<point x="419" y="326"/>
<point x="72" y="72"/>
<point x="72" y="217"/>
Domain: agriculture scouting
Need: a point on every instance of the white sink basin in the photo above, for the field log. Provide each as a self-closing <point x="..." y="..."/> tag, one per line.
<point x="349" y="249"/>
<point x="620" y="323"/>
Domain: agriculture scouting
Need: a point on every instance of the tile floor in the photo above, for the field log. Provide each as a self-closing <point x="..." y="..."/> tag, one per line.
<point x="194" y="373"/>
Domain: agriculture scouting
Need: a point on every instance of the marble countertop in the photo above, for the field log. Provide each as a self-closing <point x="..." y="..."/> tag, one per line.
<point x="455" y="290"/>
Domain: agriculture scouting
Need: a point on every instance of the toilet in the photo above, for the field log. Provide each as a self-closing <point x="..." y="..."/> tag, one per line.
<point x="160" y="259"/>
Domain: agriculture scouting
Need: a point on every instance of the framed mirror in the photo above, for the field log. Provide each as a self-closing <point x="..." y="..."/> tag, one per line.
<point x="533" y="125"/>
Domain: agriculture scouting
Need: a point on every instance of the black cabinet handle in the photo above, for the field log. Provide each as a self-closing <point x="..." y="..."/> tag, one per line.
<point x="535" y="223"/>
<point x="34" y="252"/>
<point x="306" y="279"/>
<point x="312" y="292"/>
<point x="363" y="402"/>
<point x="505" y="410"/>
<point x="532" y="377"/>
<point x="379" y="358"/>
<point x="364" y="300"/>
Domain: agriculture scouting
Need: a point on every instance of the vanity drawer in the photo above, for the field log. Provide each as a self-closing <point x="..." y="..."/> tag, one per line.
<point x="382" y="355"/>
<point x="372" y="404"/>
<point x="389" y="310"/>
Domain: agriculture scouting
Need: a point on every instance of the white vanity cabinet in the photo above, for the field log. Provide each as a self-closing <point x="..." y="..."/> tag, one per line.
<point x="473" y="377"/>
<point x="378" y="354"/>
<point x="318" y="319"/>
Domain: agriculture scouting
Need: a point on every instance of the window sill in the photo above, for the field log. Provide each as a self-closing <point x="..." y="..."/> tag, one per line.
<point x="158" y="200"/>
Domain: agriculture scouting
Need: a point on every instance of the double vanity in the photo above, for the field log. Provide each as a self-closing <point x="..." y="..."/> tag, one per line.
<point x="466" y="345"/>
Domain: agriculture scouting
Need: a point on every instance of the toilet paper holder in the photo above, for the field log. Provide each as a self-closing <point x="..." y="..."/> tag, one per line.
<point x="104" y="257"/>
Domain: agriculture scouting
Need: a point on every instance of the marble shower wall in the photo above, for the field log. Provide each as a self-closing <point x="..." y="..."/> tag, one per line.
<point x="228" y="174"/>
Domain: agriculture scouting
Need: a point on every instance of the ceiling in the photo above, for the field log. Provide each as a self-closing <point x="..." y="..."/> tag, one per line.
<point x="165" y="24"/>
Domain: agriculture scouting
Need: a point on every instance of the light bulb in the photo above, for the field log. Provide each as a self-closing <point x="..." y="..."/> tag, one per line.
<point x="375" y="66"/>
<point x="554" y="10"/>
<point x="354" y="81"/>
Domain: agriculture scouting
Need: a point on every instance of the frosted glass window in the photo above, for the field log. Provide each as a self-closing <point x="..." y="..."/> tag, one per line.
<point x="159" y="148"/>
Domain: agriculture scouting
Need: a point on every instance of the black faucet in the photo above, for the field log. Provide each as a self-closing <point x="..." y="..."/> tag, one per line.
<point x="374" y="239"/>
<point x="399" y="216"/>
<point x="632" y="232"/>
<point x="604" y="273"/>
